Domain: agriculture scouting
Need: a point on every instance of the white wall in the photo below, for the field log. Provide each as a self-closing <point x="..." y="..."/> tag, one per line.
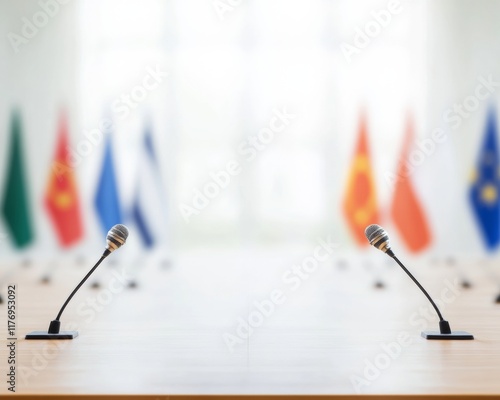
<point x="463" y="42"/>
<point x="39" y="79"/>
<point x="225" y="78"/>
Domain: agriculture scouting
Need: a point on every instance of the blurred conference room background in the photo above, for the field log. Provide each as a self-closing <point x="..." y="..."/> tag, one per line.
<point x="201" y="78"/>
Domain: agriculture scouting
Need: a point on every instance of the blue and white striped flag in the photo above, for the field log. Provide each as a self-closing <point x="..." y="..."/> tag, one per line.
<point x="149" y="204"/>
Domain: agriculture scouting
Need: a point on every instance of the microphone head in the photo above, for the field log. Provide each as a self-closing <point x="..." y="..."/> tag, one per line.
<point x="116" y="237"/>
<point x="378" y="237"/>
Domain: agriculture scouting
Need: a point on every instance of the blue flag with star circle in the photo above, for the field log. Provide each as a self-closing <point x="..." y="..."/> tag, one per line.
<point x="485" y="189"/>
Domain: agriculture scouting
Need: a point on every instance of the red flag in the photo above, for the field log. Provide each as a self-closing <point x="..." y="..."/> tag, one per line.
<point x="406" y="210"/>
<point x="61" y="198"/>
<point x="360" y="202"/>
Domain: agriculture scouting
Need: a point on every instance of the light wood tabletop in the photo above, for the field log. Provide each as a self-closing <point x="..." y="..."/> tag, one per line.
<point x="180" y="331"/>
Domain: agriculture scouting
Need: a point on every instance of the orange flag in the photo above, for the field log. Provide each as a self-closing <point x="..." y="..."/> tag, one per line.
<point x="406" y="210"/>
<point x="360" y="202"/>
<point x="61" y="198"/>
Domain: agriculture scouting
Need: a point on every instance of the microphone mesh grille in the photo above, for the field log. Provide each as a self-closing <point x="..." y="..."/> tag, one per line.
<point x="120" y="231"/>
<point x="371" y="230"/>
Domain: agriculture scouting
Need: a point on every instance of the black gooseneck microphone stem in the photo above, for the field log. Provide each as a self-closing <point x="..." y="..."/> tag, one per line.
<point x="55" y="324"/>
<point x="80" y="285"/>
<point x="419" y="285"/>
<point x="378" y="238"/>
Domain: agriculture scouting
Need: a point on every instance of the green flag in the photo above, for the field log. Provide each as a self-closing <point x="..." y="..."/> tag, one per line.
<point x="15" y="208"/>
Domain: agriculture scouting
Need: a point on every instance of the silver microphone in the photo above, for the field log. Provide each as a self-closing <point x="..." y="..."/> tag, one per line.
<point x="378" y="237"/>
<point x="116" y="238"/>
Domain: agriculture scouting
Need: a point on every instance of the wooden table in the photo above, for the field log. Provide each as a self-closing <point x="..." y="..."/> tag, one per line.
<point x="167" y="335"/>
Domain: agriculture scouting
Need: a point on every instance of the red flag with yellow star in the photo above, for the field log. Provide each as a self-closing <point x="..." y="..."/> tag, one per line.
<point x="360" y="202"/>
<point x="61" y="198"/>
<point x="406" y="210"/>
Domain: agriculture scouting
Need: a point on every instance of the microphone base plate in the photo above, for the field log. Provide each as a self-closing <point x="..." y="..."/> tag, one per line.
<point x="41" y="335"/>
<point x="456" y="335"/>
